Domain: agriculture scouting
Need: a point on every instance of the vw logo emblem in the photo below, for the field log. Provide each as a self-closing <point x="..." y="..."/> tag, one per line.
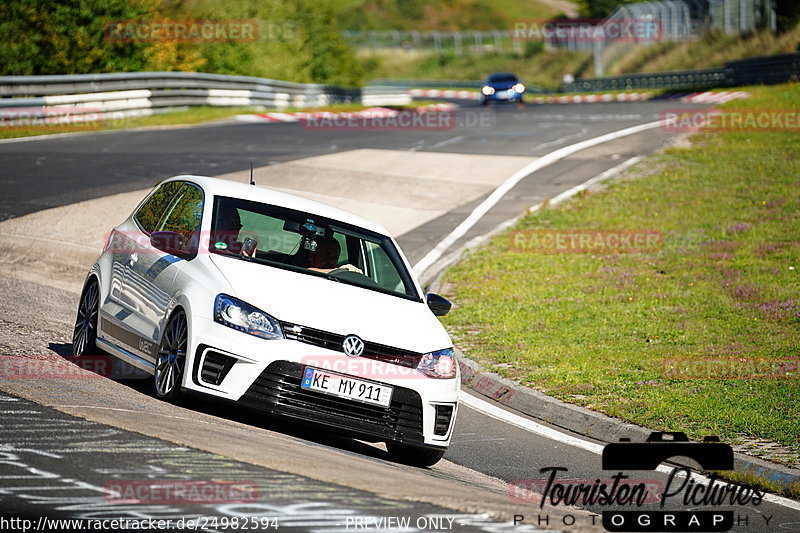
<point x="353" y="346"/>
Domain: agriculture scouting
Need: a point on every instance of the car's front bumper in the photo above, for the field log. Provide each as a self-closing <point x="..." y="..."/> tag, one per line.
<point x="504" y="95"/>
<point x="266" y="375"/>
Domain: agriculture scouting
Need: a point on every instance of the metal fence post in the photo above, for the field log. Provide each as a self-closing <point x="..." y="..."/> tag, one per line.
<point x="437" y="41"/>
<point x="498" y="40"/>
<point x="478" y="38"/>
<point x="457" y="42"/>
<point x="598" y="59"/>
<point x="727" y="15"/>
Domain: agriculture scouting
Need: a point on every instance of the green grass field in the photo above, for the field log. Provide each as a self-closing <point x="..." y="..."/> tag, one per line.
<point x="596" y="329"/>
<point x="195" y="115"/>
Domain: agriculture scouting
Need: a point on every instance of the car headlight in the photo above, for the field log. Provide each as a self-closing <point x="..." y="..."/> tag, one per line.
<point x="519" y="88"/>
<point x="439" y="364"/>
<point x="487" y="90"/>
<point x="243" y="317"/>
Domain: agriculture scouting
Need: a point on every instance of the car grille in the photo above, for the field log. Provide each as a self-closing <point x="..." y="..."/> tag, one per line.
<point x="333" y="341"/>
<point x="278" y="390"/>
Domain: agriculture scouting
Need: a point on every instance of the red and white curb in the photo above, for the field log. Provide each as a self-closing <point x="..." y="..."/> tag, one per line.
<point x="695" y="98"/>
<point x="591" y="98"/>
<point x="706" y="97"/>
<point x="372" y="112"/>
<point x="714" y="98"/>
<point x="444" y="93"/>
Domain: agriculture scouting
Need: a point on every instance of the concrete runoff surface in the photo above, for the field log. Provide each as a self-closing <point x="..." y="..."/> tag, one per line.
<point x="398" y="189"/>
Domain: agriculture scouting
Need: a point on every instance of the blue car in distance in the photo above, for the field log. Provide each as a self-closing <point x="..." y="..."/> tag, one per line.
<point x="502" y="87"/>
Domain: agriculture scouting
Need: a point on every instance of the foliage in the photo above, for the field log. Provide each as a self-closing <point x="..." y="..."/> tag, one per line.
<point x="599" y="8"/>
<point x="296" y="41"/>
<point x="68" y="37"/>
<point x="442" y="15"/>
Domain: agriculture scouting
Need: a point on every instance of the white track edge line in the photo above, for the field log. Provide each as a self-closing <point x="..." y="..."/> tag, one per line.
<point x="453" y="256"/>
<point x="436" y="253"/>
<point x="508" y="417"/>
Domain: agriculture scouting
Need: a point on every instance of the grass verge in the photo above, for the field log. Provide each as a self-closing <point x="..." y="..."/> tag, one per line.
<point x="596" y="329"/>
<point x="196" y="115"/>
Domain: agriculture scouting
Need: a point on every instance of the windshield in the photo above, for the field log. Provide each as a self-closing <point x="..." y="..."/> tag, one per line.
<point x="502" y="78"/>
<point x="308" y="244"/>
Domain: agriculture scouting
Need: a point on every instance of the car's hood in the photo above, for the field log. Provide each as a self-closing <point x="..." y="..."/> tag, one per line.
<point x="323" y="304"/>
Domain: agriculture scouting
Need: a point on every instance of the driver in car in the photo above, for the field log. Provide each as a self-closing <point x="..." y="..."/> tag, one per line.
<point x="326" y="256"/>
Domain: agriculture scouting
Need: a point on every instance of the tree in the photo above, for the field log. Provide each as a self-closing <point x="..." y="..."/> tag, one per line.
<point x="600" y="8"/>
<point x="298" y="40"/>
<point x="68" y="37"/>
<point x="787" y="13"/>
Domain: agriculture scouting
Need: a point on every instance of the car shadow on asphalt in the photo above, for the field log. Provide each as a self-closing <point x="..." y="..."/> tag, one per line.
<point x="113" y="368"/>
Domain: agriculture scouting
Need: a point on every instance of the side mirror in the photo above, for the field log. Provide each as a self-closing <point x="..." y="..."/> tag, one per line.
<point x="440" y="306"/>
<point x="169" y="242"/>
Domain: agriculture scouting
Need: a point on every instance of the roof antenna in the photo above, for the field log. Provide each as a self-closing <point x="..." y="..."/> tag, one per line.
<point x="252" y="181"/>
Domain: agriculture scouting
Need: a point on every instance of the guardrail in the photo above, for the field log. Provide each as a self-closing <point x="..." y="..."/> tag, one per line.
<point x="443" y="84"/>
<point x="141" y="93"/>
<point x="433" y="84"/>
<point x="767" y="70"/>
<point x="676" y="80"/>
<point x="754" y="71"/>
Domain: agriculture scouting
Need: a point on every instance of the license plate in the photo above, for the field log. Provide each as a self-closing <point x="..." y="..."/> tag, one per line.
<point x="346" y="387"/>
<point x="503" y="95"/>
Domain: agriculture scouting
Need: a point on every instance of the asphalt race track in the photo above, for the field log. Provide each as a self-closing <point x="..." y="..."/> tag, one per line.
<point x="64" y="441"/>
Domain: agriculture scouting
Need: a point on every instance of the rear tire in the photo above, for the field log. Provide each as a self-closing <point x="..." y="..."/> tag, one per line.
<point x="414" y="455"/>
<point x="171" y="358"/>
<point x="84" y="335"/>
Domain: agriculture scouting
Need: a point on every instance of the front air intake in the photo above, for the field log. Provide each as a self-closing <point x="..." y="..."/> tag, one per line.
<point x="215" y="367"/>
<point x="444" y="414"/>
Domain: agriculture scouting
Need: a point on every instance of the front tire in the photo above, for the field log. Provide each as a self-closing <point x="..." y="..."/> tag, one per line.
<point x="414" y="455"/>
<point x="84" y="335"/>
<point x="171" y="358"/>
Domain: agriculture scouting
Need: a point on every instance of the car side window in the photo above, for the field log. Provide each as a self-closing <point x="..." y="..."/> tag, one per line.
<point x="381" y="269"/>
<point x="150" y="212"/>
<point x="184" y="216"/>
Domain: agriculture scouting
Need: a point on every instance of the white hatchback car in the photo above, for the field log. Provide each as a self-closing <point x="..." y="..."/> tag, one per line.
<point x="279" y="303"/>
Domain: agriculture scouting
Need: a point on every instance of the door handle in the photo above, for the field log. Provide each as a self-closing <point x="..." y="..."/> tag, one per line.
<point x="134" y="258"/>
